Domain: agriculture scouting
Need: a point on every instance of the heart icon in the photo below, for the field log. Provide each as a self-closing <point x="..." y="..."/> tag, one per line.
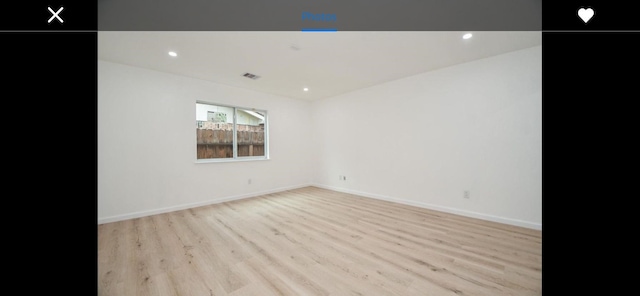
<point x="585" y="14"/>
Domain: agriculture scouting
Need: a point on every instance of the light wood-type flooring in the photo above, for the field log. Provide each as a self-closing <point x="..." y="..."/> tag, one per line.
<point x="313" y="241"/>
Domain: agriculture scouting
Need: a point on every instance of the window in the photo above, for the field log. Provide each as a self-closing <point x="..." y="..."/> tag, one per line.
<point x="230" y="133"/>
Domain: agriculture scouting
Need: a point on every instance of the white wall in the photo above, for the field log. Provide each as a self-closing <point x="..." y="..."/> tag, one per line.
<point x="147" y="144"/>
<point x="425" y="139"/>
<point x="421" y="140"/>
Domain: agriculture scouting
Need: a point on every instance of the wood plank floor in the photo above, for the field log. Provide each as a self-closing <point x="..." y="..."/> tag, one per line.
<point x="312" y="241"/>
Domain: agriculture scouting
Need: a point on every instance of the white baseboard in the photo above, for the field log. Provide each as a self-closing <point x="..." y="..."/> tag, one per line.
<point x="470" y="214"/>
<point x="194" y="205"/>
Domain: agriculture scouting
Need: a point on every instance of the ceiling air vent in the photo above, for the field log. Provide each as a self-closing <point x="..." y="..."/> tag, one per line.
<point x="252" y="76"/>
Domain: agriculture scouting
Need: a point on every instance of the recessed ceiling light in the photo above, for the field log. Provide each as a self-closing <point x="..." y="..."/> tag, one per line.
<point x="467" y="36"/>
<point x="173" y="54"/>
<point x="305" y="89"/>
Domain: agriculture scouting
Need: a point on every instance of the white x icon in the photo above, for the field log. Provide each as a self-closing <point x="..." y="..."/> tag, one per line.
<point x="55" y="14"/>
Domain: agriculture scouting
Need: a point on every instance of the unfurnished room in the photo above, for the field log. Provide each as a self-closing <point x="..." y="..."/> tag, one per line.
<point x="296" y="163"/>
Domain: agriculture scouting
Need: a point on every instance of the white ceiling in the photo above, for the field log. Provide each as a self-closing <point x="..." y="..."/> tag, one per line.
<point x="327" y="63"/>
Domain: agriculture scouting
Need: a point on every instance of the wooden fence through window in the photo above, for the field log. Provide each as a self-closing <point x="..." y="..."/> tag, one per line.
<point x="215" y="140"/>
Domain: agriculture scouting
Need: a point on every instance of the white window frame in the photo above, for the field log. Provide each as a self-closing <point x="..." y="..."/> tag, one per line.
<point x="237" y="158"/>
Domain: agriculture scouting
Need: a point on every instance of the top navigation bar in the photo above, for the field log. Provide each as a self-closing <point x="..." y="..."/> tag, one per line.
<point x="318" y="15"/>
<point x="342" y="15"/>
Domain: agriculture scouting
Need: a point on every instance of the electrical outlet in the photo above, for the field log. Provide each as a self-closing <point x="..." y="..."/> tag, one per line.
<point x="249" y="182"/>
<point x="344" y="178"/>
<point x="340" y="177"/>
<point x="466" y="194"/>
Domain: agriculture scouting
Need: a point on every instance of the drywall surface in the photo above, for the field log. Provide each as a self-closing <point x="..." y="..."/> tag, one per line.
<point x="426" y="139"/>
<point x="147" y="144"/>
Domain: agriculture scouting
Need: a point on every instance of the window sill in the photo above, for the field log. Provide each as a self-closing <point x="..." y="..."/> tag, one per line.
<point x="218" y="160"/>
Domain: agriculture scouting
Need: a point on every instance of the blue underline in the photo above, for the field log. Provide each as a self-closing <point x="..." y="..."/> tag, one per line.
<point x="320" y="30"/>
